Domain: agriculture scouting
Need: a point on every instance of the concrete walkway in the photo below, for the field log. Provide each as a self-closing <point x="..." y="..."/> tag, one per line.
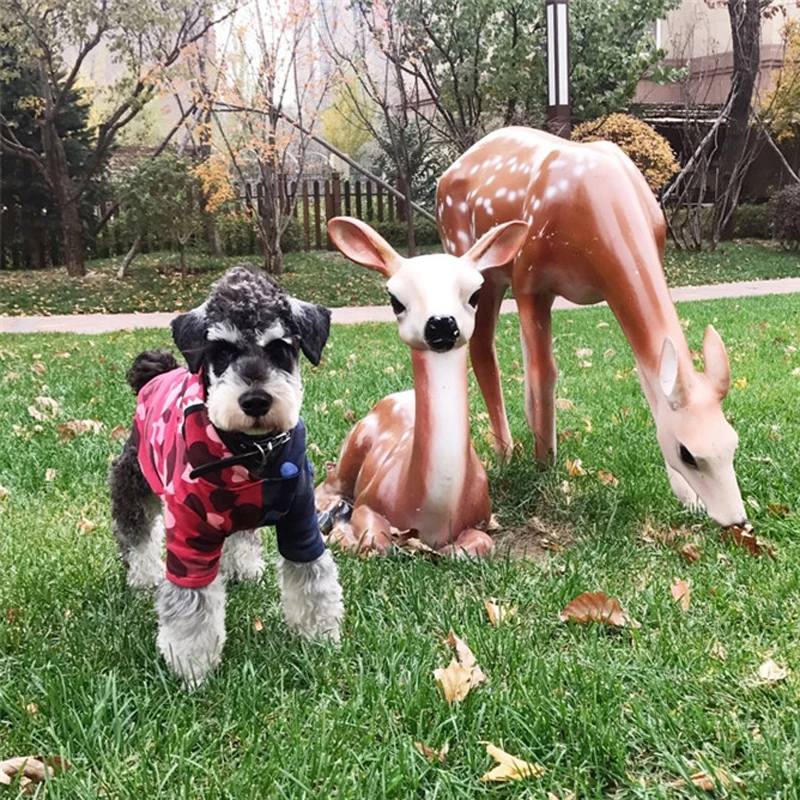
<point x="106" y="323"/>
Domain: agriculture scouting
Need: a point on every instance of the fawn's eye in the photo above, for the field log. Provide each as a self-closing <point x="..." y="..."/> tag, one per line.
<point x="397" y="306"/>
<point x="473" y="301"/>
<point x="688" y="458"/>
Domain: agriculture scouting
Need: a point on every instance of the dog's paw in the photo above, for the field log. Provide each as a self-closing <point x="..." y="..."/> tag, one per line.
<point x="251" y="571"/>
<point x="145" y="578"/>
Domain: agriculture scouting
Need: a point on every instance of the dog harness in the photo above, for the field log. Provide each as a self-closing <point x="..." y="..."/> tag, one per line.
<point x="205" y="501"/>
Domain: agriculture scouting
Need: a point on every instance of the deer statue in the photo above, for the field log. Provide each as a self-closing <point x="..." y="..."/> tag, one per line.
<point x="410" y="464"/>
<point x="596" y="233"/>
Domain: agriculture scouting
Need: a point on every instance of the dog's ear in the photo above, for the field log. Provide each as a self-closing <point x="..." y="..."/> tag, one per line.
<point x="314" y="324"/>
<point x="189" y="334"/>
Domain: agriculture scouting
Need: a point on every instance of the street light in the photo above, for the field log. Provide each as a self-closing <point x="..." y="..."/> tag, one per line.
<point x="558" y="111"/>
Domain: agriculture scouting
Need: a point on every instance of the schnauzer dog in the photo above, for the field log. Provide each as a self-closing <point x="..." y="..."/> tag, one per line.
<point x="221" y="448"/>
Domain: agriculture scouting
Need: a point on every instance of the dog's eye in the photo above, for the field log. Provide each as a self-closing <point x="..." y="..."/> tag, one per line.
<point x="397" y="306"/>
<point x="281" y="354"/>
<point x="223" y="352"/>
<point x="473" y="301"/>
<point x="688" y="458"/>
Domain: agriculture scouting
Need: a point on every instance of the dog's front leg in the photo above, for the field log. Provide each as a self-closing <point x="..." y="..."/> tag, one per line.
<point x="241" y="557"/>
<point x="191" y="629"/>
<point x="312" y="597"/>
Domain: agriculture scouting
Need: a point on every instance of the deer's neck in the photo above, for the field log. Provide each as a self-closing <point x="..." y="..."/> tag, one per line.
<point x="441" y="449"/>
<point x="647" y="317"/>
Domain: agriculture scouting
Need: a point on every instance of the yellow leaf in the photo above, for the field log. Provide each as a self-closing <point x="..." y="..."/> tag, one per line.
<point x="681" y="593"/>
<point x="467" y="659"/>
<point x="258" y="625"/>
<point x="740" y="383"/>
<point x="509" y="768"/>
<point x="575" y="468"/>
<point x="454" y="681"/>
<point x="498" y="612"/>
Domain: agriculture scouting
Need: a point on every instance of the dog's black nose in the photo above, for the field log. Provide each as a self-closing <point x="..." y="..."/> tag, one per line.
<point x="255" y="403"/>
<point x="441" y="333"/>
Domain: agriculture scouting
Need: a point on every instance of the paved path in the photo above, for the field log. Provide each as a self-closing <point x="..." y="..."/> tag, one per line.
<point x="105" y="323"/>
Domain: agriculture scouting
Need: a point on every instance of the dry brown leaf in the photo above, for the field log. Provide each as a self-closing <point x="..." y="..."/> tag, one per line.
<point x="498" y="612"/>
<point x="86" y="525"/>
<point x="38" y="368"/>
<point x="467" y="659"/>
<point x="575" y="468"/>
<point x="583" y="352"/>
<point x="597" y="607"/>
<point x="681" y="593"/>
<point x="33" y="710"/>
<point x="118" y="433"/>
<point x="744" y="537"/>
<point x="349" y="415"/>
<point x="77" y="427"/>
<point x="708" y="781"/>
<point x="432" y="754"/>
<point x="413" y="544"/>
<point x="779" y="510"/>
<point x="719" y="652"/>
<point x="258" y="625"/>
<point x="34" y="769"/>
<point x="607" y="478"/>
<point x="563" y="404"/>
<point x="509" y="768"/>
<point x="3" y="492"/>
<point x="454" y="681"/>
<point x="770" y="673"/>
<point x="493" y="524"/>
<point x="691" y="552"/>
<point x="50" y="474"/>
<point x="554" y="796"/>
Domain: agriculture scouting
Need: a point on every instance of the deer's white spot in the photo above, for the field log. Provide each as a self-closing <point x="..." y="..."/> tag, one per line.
<point x="463" y="236"/>
<point x="512" y="196"/>
<point x="500" y="192"/>
<point x="474" y="169"/>
<point x="448" y="200"/>
<point x="563" y="184"/>
<point x="462" y="207"/>
<point x="550" y="192"/>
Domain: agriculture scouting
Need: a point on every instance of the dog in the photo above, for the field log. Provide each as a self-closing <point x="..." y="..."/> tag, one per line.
<point x="220" y="448"/>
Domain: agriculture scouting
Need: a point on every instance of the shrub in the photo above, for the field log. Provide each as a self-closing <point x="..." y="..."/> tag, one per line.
<point x="649" y="150"/>
<point x="785" y="207"/>
<point x="752" y="222"/>
<point x="396" y="234"/>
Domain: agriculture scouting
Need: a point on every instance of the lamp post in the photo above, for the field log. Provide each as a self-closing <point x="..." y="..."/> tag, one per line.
<point x="558" y="111"/>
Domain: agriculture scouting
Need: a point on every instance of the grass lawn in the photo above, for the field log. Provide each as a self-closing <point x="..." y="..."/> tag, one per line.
<point x="154" y="283"/>
<point x="607" y="714"/>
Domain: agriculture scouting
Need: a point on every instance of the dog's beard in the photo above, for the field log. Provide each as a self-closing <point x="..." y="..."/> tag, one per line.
<point x="226" y="414"/>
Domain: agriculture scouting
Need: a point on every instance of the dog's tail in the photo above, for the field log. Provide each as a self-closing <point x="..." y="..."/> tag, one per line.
<point x="148" y="365"/>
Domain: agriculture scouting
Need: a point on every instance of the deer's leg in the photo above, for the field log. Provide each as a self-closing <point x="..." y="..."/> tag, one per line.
<point x="483" y="353"/>
<point x="470" y="542"/>
<point x="540" y="371"/>
<point x="366" y="530"/>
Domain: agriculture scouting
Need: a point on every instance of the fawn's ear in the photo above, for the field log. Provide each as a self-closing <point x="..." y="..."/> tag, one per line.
<point x="718" y="368"/>
<point x="189" y="335"/>
<point x="360" y="243"/>
<point x="314" y="325"/>
<point x="670" y="376"/>
<point x="499" y="245"/>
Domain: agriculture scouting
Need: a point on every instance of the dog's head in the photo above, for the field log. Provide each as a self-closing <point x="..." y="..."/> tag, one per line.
<point x="245" y="340"/>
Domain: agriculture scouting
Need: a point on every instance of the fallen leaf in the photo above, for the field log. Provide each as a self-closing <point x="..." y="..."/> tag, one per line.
<point x="314" y="449"/>
<point x="779" y="510"/>
<point x="3" y="492"/>
<point x="708" y="781"/>
<point x="607" y="478"/>
<point x="596" y="607"/>
<point x="610" y="353"/>
<point x="258" y="625"/>
<point x="553" y="796"/>
<point x="77" y="427"/>
<point x="583" y="352"/>
<point x="509" y="768"/>
<point x="740" y="383"/>
<point x="38" y="368"/>
<point x="432" y="754"/>
<point x="575" y="468"/>
<point x="33" y="710"/>
<point x="681" y="593"/>
<point x="467" y="659"/>
<point x="118" y="433"/>
<point x="744" y="537"/>
<point x="86" y="525"/>
<point x="563" y="404"/>
<point x="349" y="415"/>
<point x="34" y="769"/>
<point x="454" y="681"/>
<point x="493" y="524"/>
<point x="770" y="673"/>
<point x="719" y="652"/>
<point x="691" y="552"/>
<point x="50" y="474"/>
<point x="498" y="612"/>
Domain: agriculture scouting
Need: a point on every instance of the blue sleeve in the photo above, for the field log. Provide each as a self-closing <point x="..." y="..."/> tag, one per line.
<point x="299" y="538"/>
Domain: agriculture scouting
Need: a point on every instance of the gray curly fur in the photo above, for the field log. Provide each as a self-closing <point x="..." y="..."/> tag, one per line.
<point x="148" y="365"/>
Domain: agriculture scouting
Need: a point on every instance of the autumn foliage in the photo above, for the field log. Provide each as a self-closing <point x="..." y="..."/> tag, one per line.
<point x="649" y="150"/>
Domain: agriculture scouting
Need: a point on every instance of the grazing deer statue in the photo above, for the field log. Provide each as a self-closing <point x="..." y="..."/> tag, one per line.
<point x="596" y="233"/>
<point x="410" y="464"/>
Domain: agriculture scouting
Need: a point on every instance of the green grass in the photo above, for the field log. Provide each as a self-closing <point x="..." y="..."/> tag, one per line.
<point x="154" y="283"/>
<point x="607" y="714"/>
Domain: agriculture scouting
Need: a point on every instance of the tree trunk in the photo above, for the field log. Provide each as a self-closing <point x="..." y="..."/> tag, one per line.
<point x="735" y="155"/>
<point x="131" y="254"/>
<point x="72" y="234"/>
<point x="182" y="246"/>
<point x="407" y="214"/>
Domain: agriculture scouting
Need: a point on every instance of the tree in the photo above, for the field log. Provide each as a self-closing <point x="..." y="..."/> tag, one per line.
<point x="340" y="121"/>
<point x="144" y="37"/>
<point x="273" y="73"/>
<point x="162" y="198"/>
<point x="781" y="106"/>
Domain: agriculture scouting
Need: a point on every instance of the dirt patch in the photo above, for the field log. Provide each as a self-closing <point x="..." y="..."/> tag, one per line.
<point x="536" y="540"/>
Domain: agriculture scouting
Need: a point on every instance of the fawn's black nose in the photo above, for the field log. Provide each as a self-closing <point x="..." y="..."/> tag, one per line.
<point x="255" y="403"/>
<point x="441" y="333"/>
